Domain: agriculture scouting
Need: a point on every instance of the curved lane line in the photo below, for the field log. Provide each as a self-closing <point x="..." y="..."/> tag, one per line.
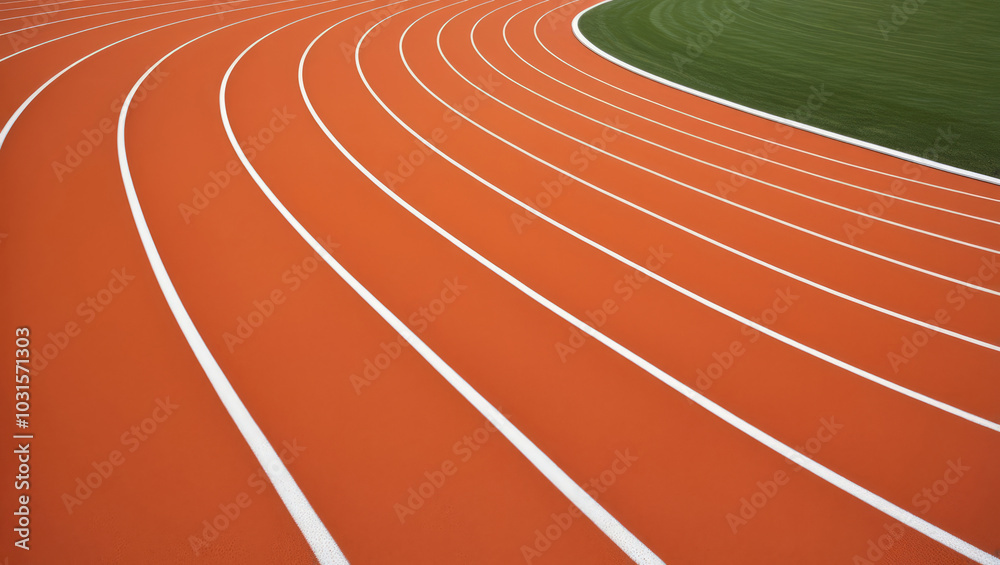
<point x="24" y="105"/>
<point x="97" y="14"/>
<point x="725" y="127"/>
<point x="805" y="127"/>
<point x="783" y="189"/>
<point x="887" y="195"/>
<point x="618" y="533"/>
<point x="785" y="223"/>
<point x="682" y="290"/>
<point x="902" y="317"/>
<point x="61" y="10"/>
<point x="26" y="49"/>
<point x="316" y="534"/>
<point x="819" y="470"/>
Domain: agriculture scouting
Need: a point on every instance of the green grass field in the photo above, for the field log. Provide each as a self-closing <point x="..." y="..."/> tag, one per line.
<point x="898" y="73"/>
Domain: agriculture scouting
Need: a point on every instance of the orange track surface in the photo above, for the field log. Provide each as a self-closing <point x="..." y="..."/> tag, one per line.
<point x="359" y="419"/>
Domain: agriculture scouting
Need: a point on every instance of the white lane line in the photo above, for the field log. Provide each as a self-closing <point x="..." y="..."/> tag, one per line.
<point x="265" y="453"/>
<point x="61" y="10"/>
<point x="772" y="117"/>
<point x="796" y="227"/>
<point x="36" y="3"/>
<point x="724" y="127"/>
<point x="902" y="317"/>
<point x="93" y="15"/>
<point x="618" y="533"/>
<point x="819" y="470"/>
<point x="657" y="174"/>
<point x="686" y="292"/>
<point x="316" y="534"/>
<point x="116" y="22"/>
<point x="886" y="195"/>
<point x="24" y="105"/>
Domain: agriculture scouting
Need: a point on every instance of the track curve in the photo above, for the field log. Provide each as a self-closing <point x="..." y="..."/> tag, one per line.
<point x="430" y="282"/>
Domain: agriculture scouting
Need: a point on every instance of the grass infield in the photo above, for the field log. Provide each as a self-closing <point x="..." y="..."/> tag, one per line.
<point x="919" y="76"/>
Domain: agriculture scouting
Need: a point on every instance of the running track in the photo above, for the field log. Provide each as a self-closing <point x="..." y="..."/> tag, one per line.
<point x="284" y="261"/>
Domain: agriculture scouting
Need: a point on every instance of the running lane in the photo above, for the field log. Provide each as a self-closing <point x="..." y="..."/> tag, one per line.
<point x="857" y="332"/>
<point x="397" y="476"/>
<point x="133" y="458"/>
<point x="454" y="196"/>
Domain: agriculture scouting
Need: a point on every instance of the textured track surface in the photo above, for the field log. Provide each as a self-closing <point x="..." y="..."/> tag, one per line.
<point x="412" y="282"/>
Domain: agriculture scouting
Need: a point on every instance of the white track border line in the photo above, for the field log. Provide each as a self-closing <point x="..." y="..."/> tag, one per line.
<point x="751" y="178"/>
<point x="316" y="534"/>
<point x="902" y="317"/>
<point x="760" y="181"/>
<point x="608" y="524"/>
<point x="775" y="219"/>
<point x="24" y="105"/>
<point x="819" y="470"/>
<point x="26" y="49"/>
<point x="98" y="14"/>
<point x="604" y="520"/>
<point x="35" y="3"/>
<point x="727" y="128"/>
<point x="61" y="10"/>
<point x="265" y="454"/>
<point x="798" y="125"/>
<point x="674" y="286"/>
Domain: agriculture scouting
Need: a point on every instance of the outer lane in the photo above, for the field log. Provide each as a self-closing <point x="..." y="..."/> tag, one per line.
<point x="117" y="361"/>
<point x="366" y="461"/>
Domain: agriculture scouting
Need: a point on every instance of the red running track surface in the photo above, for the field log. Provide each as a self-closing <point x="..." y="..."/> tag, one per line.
<point x="410" y="282"/>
